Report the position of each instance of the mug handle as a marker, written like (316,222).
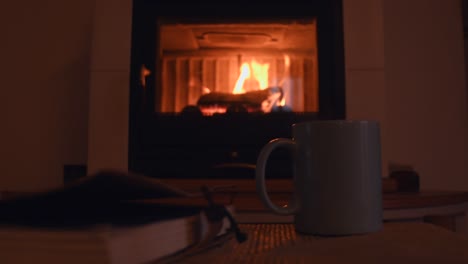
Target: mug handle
(262,160)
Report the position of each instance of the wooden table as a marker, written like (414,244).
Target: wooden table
(444,208)
(395,243)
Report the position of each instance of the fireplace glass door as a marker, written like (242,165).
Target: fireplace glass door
(217,68)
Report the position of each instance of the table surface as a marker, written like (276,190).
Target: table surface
(250,201)
(395,243)
(246,198)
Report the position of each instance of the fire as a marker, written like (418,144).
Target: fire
(253,91)
(282,102)
(252,71)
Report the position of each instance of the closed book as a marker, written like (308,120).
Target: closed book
(97,221)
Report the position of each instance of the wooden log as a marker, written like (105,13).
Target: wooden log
(250,99)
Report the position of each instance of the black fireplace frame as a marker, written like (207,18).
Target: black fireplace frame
(162,145)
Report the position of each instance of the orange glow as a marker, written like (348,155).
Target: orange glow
(253,70)
(144,72)
(287,61)
(209,111)
(287,64)
(206,90)
(282,102)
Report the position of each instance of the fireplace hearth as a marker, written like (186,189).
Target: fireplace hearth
(211,84)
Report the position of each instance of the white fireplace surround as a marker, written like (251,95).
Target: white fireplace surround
(401,65)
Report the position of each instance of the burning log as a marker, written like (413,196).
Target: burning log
(260,100)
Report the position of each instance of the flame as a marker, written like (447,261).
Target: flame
(282,102)
(260,73)
(244,74)
(254,76)
(287,61)
(252,70)
(205,90)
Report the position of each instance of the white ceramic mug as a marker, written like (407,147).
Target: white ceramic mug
(337,177)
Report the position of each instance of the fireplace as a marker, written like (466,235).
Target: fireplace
(211,84)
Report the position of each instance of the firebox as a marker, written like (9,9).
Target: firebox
(215,68)
(212,83)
